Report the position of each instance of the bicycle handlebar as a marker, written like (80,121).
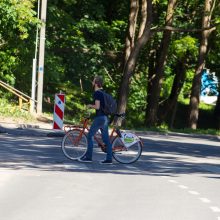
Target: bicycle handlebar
(122,115)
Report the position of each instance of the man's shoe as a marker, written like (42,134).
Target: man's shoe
(84,159)
(108,162)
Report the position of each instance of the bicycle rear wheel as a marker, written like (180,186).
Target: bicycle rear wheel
(124,154)
(72,145)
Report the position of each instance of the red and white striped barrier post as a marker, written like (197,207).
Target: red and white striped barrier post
(58,111)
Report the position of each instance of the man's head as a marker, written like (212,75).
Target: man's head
(97,81)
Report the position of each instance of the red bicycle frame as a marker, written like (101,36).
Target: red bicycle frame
(85,129)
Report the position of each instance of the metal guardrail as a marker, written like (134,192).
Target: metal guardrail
(22,96)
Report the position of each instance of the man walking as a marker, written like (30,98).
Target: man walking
(100,122)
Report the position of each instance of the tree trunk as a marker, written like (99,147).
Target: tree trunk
(129,42)
(151,76)
(130,61)
(169,105)
(217,113)
(196,85)
(129,70)
(155,84)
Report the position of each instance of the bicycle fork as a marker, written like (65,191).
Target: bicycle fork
(75,141)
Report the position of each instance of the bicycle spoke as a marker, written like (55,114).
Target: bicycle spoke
(74,144)
(124,154)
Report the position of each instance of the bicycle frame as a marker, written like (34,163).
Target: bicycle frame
(85,129)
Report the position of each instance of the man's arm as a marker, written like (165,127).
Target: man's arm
(95,106)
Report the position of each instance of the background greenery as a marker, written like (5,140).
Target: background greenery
(87,37)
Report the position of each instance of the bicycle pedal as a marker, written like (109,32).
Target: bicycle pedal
(103,147)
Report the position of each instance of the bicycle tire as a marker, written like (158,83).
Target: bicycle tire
(70,149)
(126,155)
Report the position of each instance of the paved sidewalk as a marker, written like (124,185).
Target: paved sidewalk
(39,129)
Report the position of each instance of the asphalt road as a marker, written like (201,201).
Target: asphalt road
(176,178)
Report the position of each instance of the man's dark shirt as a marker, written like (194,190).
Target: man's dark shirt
(98,95)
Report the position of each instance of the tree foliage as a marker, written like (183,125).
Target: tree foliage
(89,37)
(17,20)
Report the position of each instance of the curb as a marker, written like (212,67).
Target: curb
(29,130)
(45,130)
(207,136)
(56,134)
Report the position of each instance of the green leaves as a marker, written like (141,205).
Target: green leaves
(185,46)
(17,15)
(17,20)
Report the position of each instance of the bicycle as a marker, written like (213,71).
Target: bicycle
(126,147)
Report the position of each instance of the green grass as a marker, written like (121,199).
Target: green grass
(197,131)
(12,111)
(164,129)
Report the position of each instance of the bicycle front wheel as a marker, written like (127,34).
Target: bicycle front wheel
(124,154)
(74,144)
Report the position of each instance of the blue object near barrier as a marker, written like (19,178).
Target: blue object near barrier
(209,84)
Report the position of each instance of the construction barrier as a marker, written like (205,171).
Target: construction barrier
(58,111)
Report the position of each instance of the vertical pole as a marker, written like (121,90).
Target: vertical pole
(41,57)
(20,102)
(32,101)
(34,67)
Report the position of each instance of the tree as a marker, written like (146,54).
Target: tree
(18,19)
(217,113)
(155,79)
(185,52)
(196,86)
(134,46)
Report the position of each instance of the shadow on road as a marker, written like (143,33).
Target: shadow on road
(160,157)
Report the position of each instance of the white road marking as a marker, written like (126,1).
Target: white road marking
(81,166)
(215,209)
(164,177)
(58,197)
(193,192)
(205,200)
(183,187)
(172,181)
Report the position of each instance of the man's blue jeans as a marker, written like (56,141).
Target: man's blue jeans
(100,122)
